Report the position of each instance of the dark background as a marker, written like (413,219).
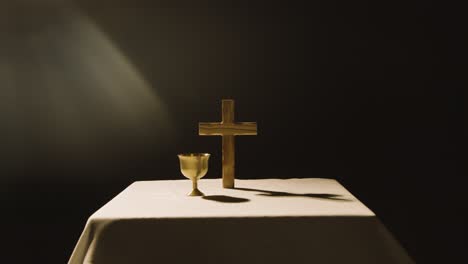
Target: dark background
(366,92)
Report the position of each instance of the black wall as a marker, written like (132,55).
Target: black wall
(365,92)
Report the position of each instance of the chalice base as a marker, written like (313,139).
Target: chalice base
(196,192)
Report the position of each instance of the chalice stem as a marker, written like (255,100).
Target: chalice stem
(195,184)
(195,191)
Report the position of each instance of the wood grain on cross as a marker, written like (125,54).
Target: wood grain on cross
(228,128)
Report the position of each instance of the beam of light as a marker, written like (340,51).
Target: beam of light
(65,88)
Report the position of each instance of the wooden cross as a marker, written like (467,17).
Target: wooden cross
(228,129)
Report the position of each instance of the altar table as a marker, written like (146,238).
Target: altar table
(261,221)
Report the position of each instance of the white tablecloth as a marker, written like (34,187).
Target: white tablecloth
(261,221)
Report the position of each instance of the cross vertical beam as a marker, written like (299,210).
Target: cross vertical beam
(229,154)
(228,161)
(227,107)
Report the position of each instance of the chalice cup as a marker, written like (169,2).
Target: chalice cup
(194,166)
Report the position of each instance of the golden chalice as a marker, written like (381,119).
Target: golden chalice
(194,166)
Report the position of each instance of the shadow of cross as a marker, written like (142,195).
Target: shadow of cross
(228,128)
(326,196)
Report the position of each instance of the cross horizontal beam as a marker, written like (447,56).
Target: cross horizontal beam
(228,129)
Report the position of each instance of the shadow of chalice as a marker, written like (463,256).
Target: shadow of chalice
(194,166)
